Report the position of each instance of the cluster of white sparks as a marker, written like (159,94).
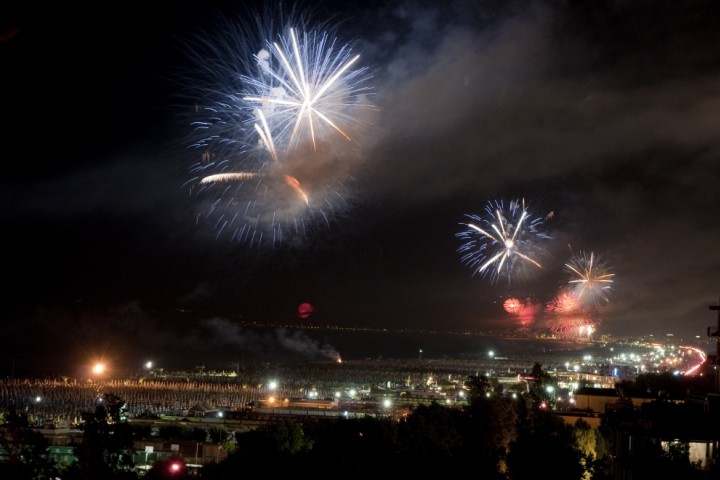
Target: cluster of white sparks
(503,243)
(271,161)
(589,278)
(303,90)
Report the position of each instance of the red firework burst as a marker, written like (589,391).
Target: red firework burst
(564,303)
(305,309)
(512,305)
(528,312)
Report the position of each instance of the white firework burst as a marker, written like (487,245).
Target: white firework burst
(503,244)
(270,167)
(590,279)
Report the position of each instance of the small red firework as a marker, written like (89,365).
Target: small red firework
(305,309)
(512,305)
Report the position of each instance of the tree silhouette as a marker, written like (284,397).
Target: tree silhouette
(545,448)
(27,450)
(106,448)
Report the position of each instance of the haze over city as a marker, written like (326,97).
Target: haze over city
(601,121)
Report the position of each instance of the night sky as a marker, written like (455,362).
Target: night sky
(604,119)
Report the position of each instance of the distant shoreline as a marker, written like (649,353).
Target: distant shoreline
(228,347)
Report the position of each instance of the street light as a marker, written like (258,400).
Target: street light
(388,405)
(551,393)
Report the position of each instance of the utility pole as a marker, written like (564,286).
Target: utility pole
(716,336)
(716,333)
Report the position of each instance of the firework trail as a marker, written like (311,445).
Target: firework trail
(506,243)
(589,278)
(276,134)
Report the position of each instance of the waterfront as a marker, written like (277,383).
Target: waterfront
(226,345)
(254,345)
(340,361)
(237,347)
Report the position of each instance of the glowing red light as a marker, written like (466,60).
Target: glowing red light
(305,310)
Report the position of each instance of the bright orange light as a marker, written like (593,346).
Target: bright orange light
(98,368)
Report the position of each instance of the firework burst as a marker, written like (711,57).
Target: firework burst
(505,243)
(276,132)
(512,305)
(589,278)
(568,318)
(306,88)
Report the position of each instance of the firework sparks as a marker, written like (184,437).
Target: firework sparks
(270,167)
(572,327)
(309,87)
(512,305)
(590,279)
(567,318)
(504,242)
(229,177)
(564,303)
